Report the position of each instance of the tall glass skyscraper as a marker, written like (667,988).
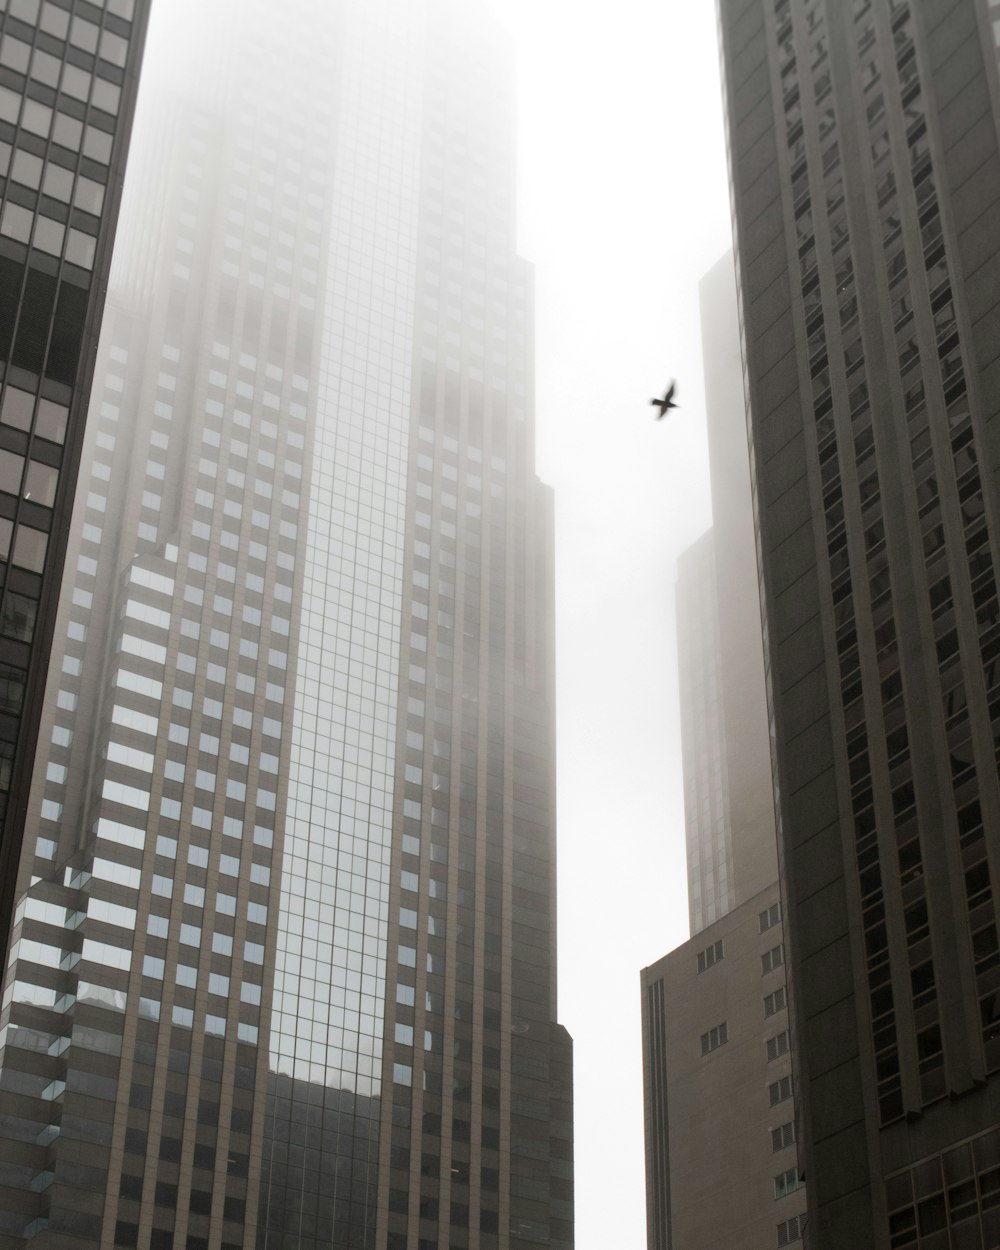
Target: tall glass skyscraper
(283,967)
(67,95)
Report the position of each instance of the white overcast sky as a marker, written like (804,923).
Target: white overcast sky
(623,207)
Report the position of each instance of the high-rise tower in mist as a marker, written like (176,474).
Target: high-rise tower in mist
(729,810)
(67,94)
(284,962)
(717,1066)
(708,833)
(865,166)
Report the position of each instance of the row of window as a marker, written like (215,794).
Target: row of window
(80,31)
(775,1046)
(953,1197)
(711,955)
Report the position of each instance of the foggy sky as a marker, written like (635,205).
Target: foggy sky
(624,206)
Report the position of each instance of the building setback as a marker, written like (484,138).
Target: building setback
(717,1062)
(284,970)
(68,76)
(865,167)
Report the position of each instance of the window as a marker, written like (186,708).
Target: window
(790,1230)
(11,471)
(710,955)
(773,1003)
(777,1046)
(783,1136)
(786,1182)
(714,1038)
(779,1091)
(772,959)
(769,917)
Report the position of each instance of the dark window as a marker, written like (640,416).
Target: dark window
(779,1091)
(710,956)
(772,959)
(773,1003)
(777,1046)
(769,917)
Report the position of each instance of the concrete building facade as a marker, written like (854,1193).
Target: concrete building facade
(864,147)
(719,1088)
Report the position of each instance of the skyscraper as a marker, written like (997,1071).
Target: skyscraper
(729,809)
(284,970)
(717,1063)
(865,166)
(67,93)
(709,842)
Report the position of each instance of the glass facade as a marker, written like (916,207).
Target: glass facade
(206,1003)
(67,91)
(332,938)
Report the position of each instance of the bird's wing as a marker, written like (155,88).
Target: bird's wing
(670,392)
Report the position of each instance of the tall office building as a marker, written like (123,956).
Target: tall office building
(67,94)
(707,826)
(284,945)
(729,807)
(717,1066)
(865,167)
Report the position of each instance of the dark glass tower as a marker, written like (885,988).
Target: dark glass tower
(285,963)
(865,166)
(67,94)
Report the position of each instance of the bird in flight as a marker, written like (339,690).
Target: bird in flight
(666,403)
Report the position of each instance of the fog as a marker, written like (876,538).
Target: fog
(623,206)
